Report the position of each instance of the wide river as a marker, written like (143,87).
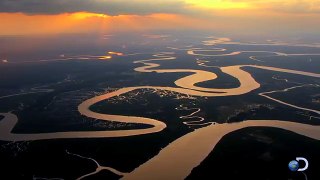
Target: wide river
(203,140)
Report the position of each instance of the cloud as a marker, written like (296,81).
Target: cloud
(287,6)
(145,7)
(110,7)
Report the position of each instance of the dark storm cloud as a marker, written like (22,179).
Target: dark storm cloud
(110,7)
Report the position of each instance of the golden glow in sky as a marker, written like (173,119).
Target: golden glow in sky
(143,15)
(84,15)
(218,4)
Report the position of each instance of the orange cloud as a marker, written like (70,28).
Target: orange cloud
(17,23)
(223,20)
(287,6)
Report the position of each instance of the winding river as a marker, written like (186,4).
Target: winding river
(203,140)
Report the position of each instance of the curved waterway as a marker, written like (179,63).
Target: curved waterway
(186,85)
(185,157)
(177,160)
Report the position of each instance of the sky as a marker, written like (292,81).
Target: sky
(25,17)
